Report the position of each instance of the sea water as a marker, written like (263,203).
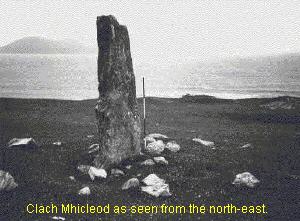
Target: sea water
(75,77)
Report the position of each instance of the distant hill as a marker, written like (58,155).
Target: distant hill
(39,45)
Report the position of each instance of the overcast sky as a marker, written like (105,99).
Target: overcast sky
(164,30)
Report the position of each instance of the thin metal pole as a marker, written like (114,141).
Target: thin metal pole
(144,107)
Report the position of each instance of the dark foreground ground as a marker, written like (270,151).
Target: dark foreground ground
(197,174)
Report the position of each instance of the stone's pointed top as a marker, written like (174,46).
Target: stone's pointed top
(110,19)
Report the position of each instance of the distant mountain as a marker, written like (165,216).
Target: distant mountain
(39,45)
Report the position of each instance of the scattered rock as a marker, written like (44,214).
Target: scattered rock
(156,136)
(58,218)
(95,172)
(148,162)
(7,182)
(84,169)
(173,146)
(284,104)
(245,179)
(128,167)
(246,146)
(204,142)
(72,178)
(84,191)
(90,136)
(117,172)
(93,148)
(22,142)
(161,190)
(58,143)
(131,184)
(161,160)
(149,139)
(156,186)
(155,148)
(153,180)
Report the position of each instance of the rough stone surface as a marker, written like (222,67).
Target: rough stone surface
(116,110)
(155,148)
(131,184)
(7,181)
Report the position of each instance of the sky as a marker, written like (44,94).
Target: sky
(164,30)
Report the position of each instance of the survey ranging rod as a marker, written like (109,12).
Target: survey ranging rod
(144,110)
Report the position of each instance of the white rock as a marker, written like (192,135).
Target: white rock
(131,183)
(155,148)
(58,143)
(152,180)
(160,160)
(7,182)
(204,142)
(24,142)
(157,136)
(93,148)
(128,167)
(117,172)
(85,191)
(157,190)
(148,162)
(72,178)
(95,172)
(173,146)
(149,139)
(84,168)
(58,218)
(248,145)
(90,136)
(246,179)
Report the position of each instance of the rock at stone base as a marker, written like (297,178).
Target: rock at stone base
(173,146)
(149,139)
(157,190)
(160,160)
(22,142)
(156,136)
(245,179)
(117,172)
(131,184)
(155,148)
(93,148)
(95,172)
(116,110)
(7,182)
(204,142)
(84,169)
(148,162)
(84,191)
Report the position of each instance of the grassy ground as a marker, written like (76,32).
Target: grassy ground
(197,174)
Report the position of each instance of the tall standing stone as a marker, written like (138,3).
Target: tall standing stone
(116,110)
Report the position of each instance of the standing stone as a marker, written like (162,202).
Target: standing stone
(116,110)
